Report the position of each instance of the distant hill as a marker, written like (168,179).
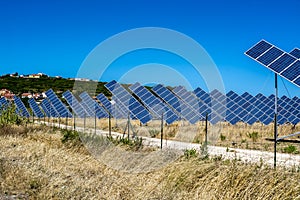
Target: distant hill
(20,85)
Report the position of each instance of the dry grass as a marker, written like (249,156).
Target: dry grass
(39,166)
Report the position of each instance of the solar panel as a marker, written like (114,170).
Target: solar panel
(57,104)
(112,108)
(258,49)
(296,53)
(92,105)
(49,109)
(176,103)
(3,103)
(21,109)
(154,104)
(283,63)
(74,104)
(218,106)
(128,102)
(35,108)
(190,99)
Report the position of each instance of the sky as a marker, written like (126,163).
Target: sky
(55,37)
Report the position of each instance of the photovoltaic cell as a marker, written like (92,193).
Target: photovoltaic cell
(57,104)
(190,99)
(154,104)
(282,63)
(35,108)
(21,109)
(74,104)
(176,103)
(269,56)
(93,105)
(49,109)
(128,102)
(293,71)
(296,53)
(260,48)
(112,108)
(3,103)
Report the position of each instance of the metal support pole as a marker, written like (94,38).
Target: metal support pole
(161,130)
(109,124)
(95,123)
(128,125)
(84,121)
(275,120)
(74,124)
(206,128)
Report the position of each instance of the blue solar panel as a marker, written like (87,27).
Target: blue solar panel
(282,63)
(74,104)
(128,102)
(21,109)
(293,71)
(296,53)
(3,103)
(269,56)
(35,108)
(176,103)
(154,104)
(49,109)
(93,105)
(112,108)
(258,49)
(57,104)
(190,99)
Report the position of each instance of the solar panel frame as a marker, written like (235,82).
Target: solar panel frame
(57,104)
(124,98)
(93,105)
(21,109)
(35,108)
(280,64)
(176,103)
(74,104)
(154,104)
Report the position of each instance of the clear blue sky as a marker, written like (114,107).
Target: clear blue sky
(55,36)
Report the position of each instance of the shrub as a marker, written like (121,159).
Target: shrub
(253,136)
(190,153)
(153,133)
(69,135)
(9,117)
(222,137)
(290,149)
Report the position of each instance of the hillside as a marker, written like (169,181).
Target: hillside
(42,84)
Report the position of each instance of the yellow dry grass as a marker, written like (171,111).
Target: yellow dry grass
(39,166)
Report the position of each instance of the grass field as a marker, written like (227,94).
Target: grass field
(40,163)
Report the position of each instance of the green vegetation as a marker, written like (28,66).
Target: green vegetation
(9,117)
(253,136)
(190,153)
(153,133)
(290,149)
(39,85)
(222,137)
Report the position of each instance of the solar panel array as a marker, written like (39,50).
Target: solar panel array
(35,108)
(154,104)
(175,104)
(57,104)
(74,104)
(92,106)
(49,109)
(284,64)
(21,109)
(128,103)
